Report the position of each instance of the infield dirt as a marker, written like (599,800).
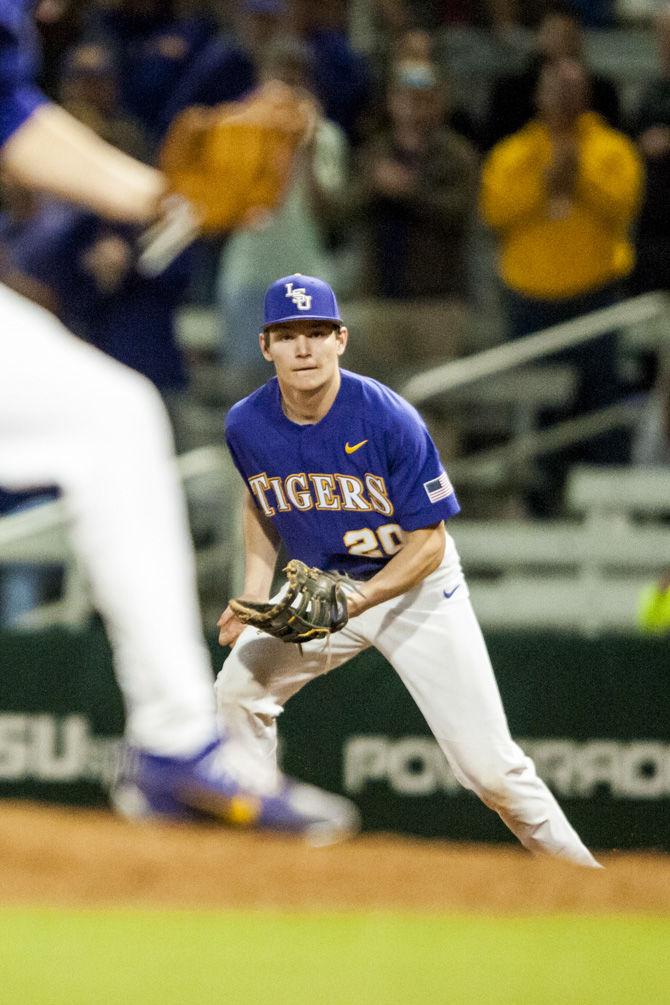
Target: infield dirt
(57,856)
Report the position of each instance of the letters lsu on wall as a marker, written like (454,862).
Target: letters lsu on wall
(51,748)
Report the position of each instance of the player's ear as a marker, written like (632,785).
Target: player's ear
(342,337)
(264,342)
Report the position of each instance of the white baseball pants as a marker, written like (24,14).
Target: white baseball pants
(71,416)
(436,646)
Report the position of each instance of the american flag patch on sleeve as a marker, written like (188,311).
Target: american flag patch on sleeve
(438,488)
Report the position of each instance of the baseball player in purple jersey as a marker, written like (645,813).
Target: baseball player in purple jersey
(72,416)
(344,472)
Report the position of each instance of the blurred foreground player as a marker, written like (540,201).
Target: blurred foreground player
(343,472)
(71,416)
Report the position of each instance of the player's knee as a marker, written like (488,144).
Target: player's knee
(502,788)
(493,779)
(235,685)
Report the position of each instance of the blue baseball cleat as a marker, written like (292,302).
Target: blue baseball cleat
(219,784)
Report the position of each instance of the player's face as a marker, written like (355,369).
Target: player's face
(305,353)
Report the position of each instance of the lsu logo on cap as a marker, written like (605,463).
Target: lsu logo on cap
(300,297)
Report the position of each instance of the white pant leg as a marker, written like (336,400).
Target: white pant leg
(260,675)
(436,646)
(70,415)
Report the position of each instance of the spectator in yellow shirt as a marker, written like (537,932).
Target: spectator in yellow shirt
(561,195)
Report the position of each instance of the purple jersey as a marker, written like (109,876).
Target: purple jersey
(340,492)
(18,63)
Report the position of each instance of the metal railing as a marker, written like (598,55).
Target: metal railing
(489,466)
(422,387)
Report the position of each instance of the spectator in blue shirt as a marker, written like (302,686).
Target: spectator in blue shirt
(152,47)
(228,64)
(343,77)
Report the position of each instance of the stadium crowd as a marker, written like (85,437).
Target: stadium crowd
(527,197)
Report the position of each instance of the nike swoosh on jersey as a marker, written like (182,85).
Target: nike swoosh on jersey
(451,593)
(356,446)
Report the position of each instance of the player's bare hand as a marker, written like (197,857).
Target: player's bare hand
(561,174)
(230,628)
(229,625)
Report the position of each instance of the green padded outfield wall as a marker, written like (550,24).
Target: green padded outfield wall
(594,714)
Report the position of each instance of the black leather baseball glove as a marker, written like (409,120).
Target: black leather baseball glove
(312,606)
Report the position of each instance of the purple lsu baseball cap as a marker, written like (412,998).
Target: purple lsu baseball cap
(296,297)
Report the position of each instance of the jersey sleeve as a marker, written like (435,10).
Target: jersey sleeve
(230,442)
(235,448)
(420,488)
(19,97)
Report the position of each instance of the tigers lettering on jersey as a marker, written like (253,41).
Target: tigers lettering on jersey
(335,492)
(341,492)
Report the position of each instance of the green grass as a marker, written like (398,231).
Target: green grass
(50,957)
